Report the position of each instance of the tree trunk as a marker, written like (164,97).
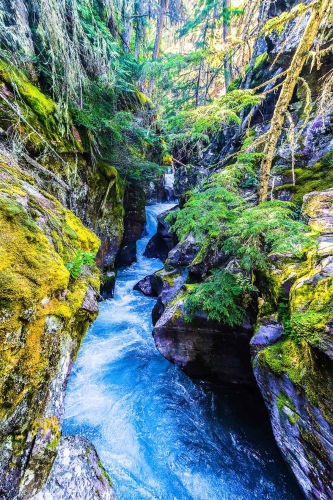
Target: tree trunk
(226,33)
(201,71)
(317,15)
(138,29)
(163,5)
(126,35)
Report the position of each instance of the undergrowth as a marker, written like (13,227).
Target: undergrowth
(76,266)
(223,297)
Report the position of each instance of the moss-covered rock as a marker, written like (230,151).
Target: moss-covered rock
(295,374)
(65,168)
(76,453)
(315,177)
(203,348)
(44,315)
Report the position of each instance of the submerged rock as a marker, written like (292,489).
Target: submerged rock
(77,473)
(145,286)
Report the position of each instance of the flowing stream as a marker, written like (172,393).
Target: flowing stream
(160,435)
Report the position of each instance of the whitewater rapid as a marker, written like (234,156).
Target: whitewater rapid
(160,435)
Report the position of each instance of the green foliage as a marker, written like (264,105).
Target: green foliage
(221,297)
(307,326)
(195,126)
(264,229)
(284,315)
(81,259)
(222,221)
(206,213)
(125,139)
(74,45)
(210,15)
(190,79)
(220,218)
(243,172)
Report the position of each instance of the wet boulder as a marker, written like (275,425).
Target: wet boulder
(108,285)
(203,348)
(77,473)
(146,287)
(162,284)
(163,241)
(168,284)
(183,253)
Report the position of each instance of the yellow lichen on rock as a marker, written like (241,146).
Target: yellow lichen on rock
(40,307)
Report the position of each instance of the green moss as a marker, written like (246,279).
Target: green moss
(282,401)
(260,61)
(315,448)
(235,84)
(109,171)
(38,110)
(169,277)
(143,99)
(311,307)
(40,104)
(32,278)
(104,473)
(317,177)
(167,160)
(285,401)
(308,327)
(259,70)
(308,369)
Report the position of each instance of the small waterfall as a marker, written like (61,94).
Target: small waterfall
(168,182)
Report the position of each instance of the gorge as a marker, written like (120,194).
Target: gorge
(178,439)
(166,244)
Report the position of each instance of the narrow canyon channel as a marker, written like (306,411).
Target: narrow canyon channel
(159,434)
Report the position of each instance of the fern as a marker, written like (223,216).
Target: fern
(222,297)
(195,126)
(264,229)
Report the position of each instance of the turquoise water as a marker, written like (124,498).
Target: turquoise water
(160,435)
